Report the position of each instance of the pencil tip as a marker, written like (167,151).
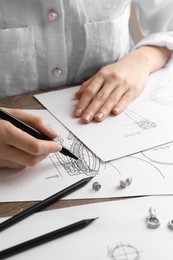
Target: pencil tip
(74,156)
(66,152)
(88,221)
(89,178)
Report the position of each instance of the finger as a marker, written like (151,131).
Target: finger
(110,103)
(9,164)
(26,159)
(83,86)
(34,121)
(88,94)
(23,141)
(20,158)
(124,101)
(98,101)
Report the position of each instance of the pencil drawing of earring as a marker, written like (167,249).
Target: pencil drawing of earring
(170,224)
(152,220)
(96,186)
(126,182)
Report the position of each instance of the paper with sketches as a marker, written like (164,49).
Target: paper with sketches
(151,170)
(146,123)
(120,232)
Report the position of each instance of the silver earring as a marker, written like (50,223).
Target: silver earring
(127,182)
(96,186)
(152,220)
(170,224)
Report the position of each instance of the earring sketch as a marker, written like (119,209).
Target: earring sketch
(152,220)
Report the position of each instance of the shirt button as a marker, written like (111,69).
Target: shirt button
(56,72)
(52,15)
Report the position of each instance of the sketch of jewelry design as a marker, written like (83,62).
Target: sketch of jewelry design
(153,166)
(141,122)
(160,154)
(164,94)
(123,252)
(87,163)
(139,168)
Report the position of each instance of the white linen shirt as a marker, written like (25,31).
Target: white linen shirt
(50,43)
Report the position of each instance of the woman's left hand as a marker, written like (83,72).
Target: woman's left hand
(112,88)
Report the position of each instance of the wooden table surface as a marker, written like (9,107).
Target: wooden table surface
(27,101)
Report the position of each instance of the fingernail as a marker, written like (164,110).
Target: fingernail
(78,112)
(59,147)
(99,116)
(116,110)
(86,117)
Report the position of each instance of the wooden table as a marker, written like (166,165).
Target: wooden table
(27,101)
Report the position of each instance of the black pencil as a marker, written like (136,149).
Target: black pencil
(43,204)
(31,131)
(45,238)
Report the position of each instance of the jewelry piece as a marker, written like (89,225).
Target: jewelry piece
(152,221)
(125,183)
(170,224)
(96,186)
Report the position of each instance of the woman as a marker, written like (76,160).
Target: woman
(45,44)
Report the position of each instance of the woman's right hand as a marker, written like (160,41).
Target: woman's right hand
(17,148)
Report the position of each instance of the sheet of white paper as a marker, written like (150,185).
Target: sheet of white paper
(151,172)
(119,233)
(146,123)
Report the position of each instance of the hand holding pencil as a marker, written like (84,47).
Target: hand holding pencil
(19,149)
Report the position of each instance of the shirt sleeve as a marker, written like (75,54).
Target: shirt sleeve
(156,22)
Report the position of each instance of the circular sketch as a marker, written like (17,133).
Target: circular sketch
(124,252)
